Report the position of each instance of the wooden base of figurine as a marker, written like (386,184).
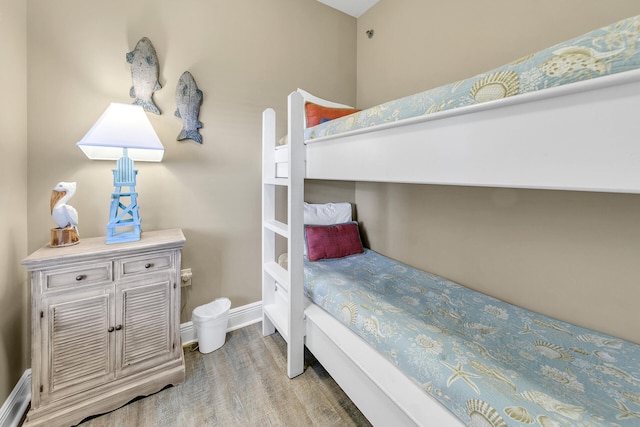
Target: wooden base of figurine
(64,237)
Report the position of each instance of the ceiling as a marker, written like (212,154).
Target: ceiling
(354,8)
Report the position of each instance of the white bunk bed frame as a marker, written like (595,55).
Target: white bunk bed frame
(580,136)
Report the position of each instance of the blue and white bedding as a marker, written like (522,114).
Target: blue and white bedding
(490,363)
(608,50)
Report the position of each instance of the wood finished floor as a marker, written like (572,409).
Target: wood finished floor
(244,383)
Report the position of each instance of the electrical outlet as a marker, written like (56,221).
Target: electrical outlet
(185,277)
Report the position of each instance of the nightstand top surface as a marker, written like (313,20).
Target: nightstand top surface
(96,246)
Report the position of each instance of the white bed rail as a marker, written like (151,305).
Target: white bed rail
(581,136)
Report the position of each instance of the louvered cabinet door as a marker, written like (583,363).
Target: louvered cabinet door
(78,345)
(145,322)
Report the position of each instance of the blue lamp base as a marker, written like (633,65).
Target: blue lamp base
(124,220)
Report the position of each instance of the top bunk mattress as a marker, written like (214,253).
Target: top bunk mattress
(609,50)
(483,359)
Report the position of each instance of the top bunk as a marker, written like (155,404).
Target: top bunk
(563,118)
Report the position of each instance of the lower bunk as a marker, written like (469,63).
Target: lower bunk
(378,388)
(412,348)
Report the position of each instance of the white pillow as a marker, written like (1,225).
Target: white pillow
(327,213)
(283,141)
(312,98)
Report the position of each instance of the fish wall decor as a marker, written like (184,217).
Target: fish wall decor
(188,102)
(144,73)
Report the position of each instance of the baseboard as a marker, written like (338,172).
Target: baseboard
(239,317)
(14,408)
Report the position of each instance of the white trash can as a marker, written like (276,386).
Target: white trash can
(210,321)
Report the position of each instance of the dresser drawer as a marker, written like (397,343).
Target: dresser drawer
(78,275)
(146,264)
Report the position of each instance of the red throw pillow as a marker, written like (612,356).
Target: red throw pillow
(332,241)
(316,113)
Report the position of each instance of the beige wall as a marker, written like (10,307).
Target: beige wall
(245,57)
(571,255)
(13,187)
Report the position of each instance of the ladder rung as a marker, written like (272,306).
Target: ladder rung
(278,273)
(276,181)
(277,227)
(279,319)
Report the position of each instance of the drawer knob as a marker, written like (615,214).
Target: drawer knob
(110,329)
(118,327)
(79,277)
(147,265)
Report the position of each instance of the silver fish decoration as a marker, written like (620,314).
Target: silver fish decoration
(144,74)
(188,102)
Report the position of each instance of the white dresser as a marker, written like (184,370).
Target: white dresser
(105,322)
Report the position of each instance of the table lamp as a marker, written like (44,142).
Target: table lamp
(123,133)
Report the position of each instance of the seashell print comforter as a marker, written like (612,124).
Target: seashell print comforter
(608,50)
(490,363)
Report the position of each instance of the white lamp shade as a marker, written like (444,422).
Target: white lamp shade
(122,126)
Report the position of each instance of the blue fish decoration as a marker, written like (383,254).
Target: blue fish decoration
(144,73)
(188,102)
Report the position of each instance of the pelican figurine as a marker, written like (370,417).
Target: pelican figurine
(63,215)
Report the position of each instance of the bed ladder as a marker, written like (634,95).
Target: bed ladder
(282,289)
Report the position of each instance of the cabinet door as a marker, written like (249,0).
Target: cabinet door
(146,332)
(78,345)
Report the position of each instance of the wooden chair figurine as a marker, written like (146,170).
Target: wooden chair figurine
(124,220)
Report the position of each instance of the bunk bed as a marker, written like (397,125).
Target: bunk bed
(564,129)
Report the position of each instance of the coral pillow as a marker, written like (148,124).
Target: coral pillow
(332,241)
(316,114)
